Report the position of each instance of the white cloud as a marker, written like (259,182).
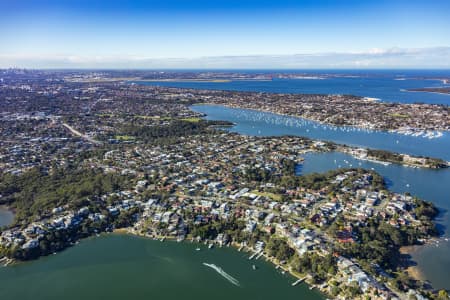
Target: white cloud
(436,57)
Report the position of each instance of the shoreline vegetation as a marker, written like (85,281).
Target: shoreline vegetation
(237,247)
(163,171)
(413,271)
(123,223)
(377,156)
(324,119)
(387,157)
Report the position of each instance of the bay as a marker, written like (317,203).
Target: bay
(433,260)
(127,267)
(252,122)
(386,85)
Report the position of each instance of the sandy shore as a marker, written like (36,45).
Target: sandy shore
(413,271)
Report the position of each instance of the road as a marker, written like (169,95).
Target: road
(83,136)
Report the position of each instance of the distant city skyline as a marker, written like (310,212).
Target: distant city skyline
(225,34)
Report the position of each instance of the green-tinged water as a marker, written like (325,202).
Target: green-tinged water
(127,267)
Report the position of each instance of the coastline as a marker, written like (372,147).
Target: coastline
(430,92)
(299,278)
(413,271)
(254,254)
(200,80)
(387,130)
(350,149)
(186,80)
(134,232)
(410,164)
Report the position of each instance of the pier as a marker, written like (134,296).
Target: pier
(255,254)
(298,281)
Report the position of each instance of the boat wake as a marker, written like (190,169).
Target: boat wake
(223,273)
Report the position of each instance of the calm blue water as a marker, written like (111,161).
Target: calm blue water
(251,122)
(432,185)
(376,84)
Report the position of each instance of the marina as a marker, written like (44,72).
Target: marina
(261,123)
(427,184)
(217,150)
(252,122)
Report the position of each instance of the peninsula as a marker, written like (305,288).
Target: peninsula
(439,90)
(79,159)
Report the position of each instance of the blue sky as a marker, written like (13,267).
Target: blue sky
(177,33)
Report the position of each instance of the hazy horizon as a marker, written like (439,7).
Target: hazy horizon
(176,34)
